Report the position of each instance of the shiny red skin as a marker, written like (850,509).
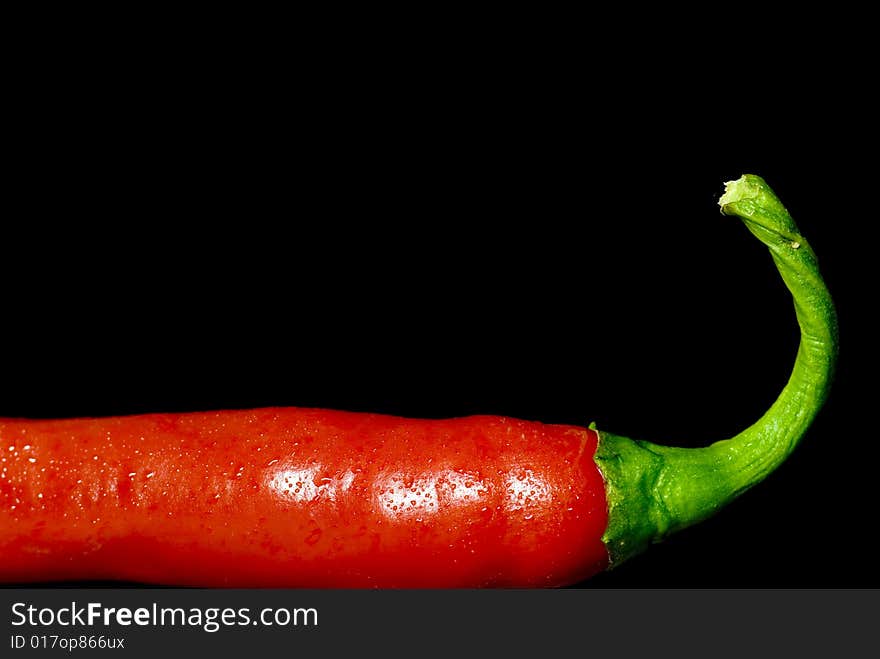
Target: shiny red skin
(289,497)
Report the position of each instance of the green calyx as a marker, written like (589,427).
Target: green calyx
(653,490)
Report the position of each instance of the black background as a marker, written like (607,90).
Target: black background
(450,239)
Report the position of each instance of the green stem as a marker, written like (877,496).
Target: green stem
(655,490)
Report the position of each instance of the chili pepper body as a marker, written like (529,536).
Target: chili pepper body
(300,498)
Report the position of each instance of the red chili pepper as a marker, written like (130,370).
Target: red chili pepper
(314,498)
(301,497)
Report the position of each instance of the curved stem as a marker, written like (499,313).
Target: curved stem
(655,490)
